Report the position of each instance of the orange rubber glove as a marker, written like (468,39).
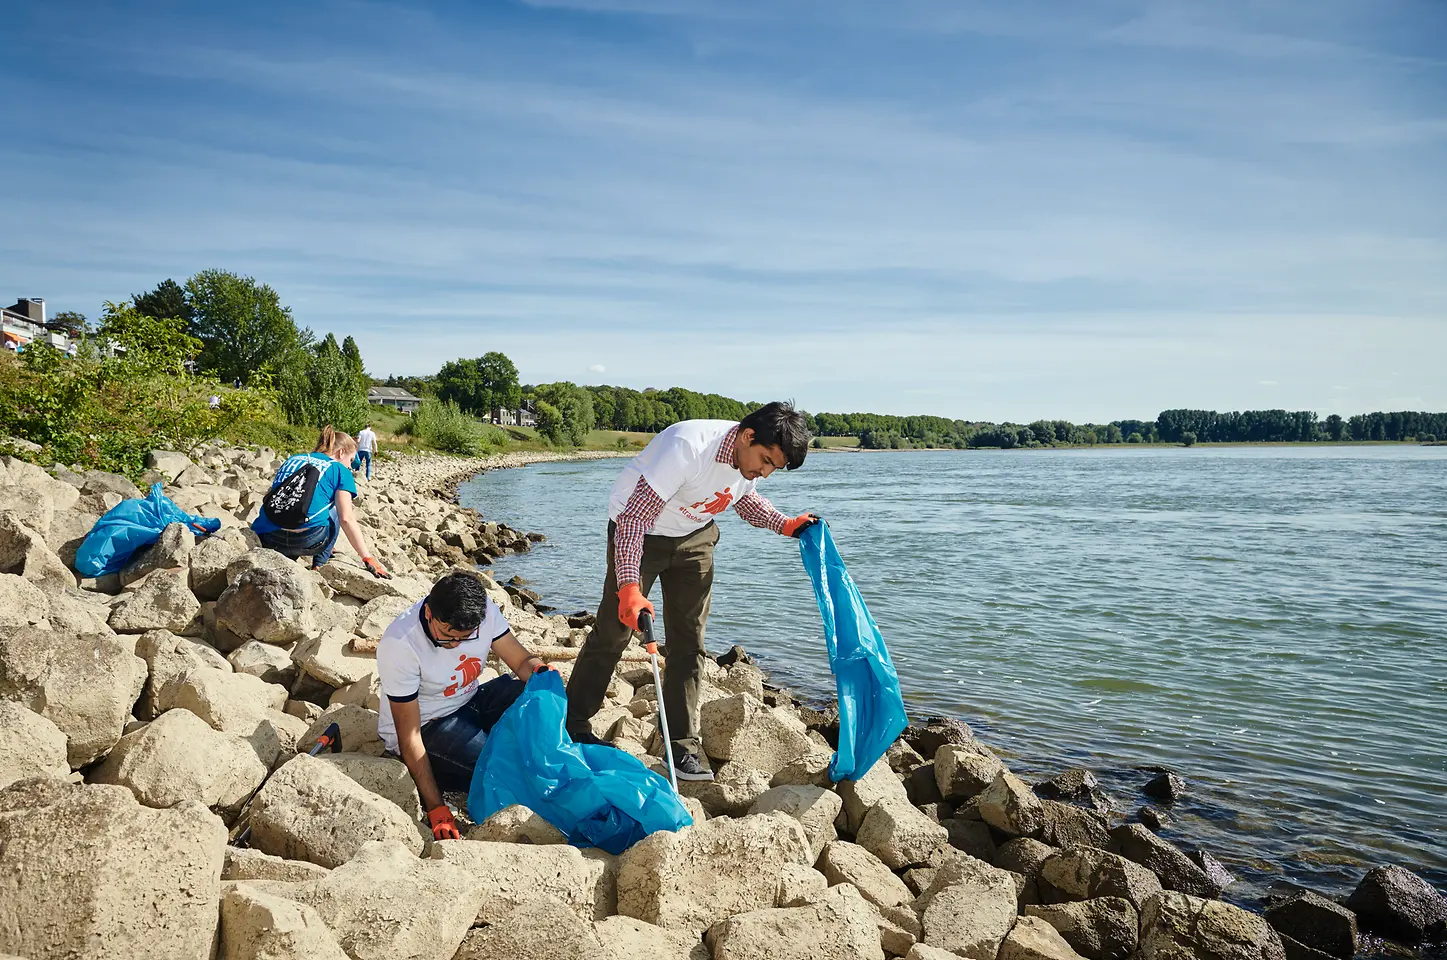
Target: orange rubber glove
(792,528)
(632,602)
(376,568)
(444,827)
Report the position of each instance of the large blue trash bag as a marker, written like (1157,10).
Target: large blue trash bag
(871,710)
(129,526)
(597,796)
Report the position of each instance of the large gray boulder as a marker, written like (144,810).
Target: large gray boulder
(1163,858)
(22,603)
(1105,928)
(1397,903)
(627,938)
(814,807)
(85,685)
(876,785)
(1032,939)
(901,836)
(86,871)
(311,810)
(386,903)
(970,918)
(509,875)
(68,530)
(1178,926)
(229,701)
(171,551)
(269,598)
(1010,806)
(169,659)
(24,553)
(677,880)
(168,463)
(845,862)
(178,756)
(329,658)
(30,746)
(1316,922)
(209,560)
(383,776)
(265,661)
(162,601)
(839,926)
(256,925)
(1083,873)
(745,731)
(541,929)
(962,771)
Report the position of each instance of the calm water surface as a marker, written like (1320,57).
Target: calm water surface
(1268,622)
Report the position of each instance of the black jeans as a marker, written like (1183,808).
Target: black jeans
(454,741)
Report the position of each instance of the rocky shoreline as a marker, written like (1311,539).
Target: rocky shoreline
(139,712)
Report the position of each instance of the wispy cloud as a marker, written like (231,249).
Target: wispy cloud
(594,183)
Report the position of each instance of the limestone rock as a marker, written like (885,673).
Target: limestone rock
(961,772)
(244,863)
(970,918)
(516,824)
(509,875)
(1023,855)
(939,732)
(178,756)
(207,564)
(899,929)
(1104,928)
(366,692)
(625,938)
(162,601)
(232,702)
(955,867)
(168,463)
(733,791)
(68,529)
(1319,923)
(1033,939)
(30,746)
(814,807)
(743,730)
(22,603)
(877,785)
(541,929)
(1167,786)
(674,880)
(1078,786)
(1399,904)
(1083,873)
(329,659)
(347,577)
(261,926)
(77,613)
(87,871)
(268,599)
(1174,869)
(32,508)
(1067,825)
(311,810)
(1010,806)
(923,951)
(24,553)
(169,659)
(900,835)
(1177,926)
(358,727)
(377,615)
(385,903)
(812,770)
(844,862)
(800,885)
(85,685)
(381,775)
(98,481)
(838,927)
(171,550)
(265,661)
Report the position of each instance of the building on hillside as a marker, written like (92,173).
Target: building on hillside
(521,417)
(23,323)
(394,397)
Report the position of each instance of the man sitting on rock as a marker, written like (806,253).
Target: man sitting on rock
(661,527)
(434,711)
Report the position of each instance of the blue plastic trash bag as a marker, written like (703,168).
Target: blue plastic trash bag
(129,526)
(871,710)
(597,796)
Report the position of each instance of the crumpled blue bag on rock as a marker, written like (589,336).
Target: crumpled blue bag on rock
(871,709)
(130,526)
(597,796)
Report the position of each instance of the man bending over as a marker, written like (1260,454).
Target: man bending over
(434,712)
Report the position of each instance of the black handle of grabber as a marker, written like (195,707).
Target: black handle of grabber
(331,738)
(645,626)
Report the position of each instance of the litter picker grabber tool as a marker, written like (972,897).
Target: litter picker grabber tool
(331,739)
(645,623)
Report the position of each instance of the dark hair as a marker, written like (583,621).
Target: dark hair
(778,424)
(458,600)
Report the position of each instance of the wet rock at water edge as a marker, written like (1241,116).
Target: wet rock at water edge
(1152,817)
(1166,786)
(937,732)
(1078,786)
(1398,904)
(1316,922)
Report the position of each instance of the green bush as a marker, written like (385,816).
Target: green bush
(443,425)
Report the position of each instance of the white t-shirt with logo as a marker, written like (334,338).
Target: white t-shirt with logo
(442,679)
(681,466)
(367,441)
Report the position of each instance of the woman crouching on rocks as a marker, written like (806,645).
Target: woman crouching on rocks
(310,503)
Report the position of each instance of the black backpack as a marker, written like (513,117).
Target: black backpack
(287,502)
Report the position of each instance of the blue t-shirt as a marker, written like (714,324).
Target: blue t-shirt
(334,476)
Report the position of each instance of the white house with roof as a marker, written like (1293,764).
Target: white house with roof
(23,323)
(394,397)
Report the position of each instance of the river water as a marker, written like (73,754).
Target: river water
(1269,622)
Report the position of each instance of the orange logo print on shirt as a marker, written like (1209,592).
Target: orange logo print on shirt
(718,504)
(470,668)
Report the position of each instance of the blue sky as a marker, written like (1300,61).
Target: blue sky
(1087,209)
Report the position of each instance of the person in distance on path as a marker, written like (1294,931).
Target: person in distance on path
(661,527)
(435,713)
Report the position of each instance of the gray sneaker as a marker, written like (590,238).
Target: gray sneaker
(688,767)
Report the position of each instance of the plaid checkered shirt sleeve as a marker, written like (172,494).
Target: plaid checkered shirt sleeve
(637,518)
(758,511)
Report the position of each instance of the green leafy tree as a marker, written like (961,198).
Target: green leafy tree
(1336,427)
(241,324)
(353,353)
(550,423)
(321,386)
(499,383)
(1188,439)
(166,302)
(74,324)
